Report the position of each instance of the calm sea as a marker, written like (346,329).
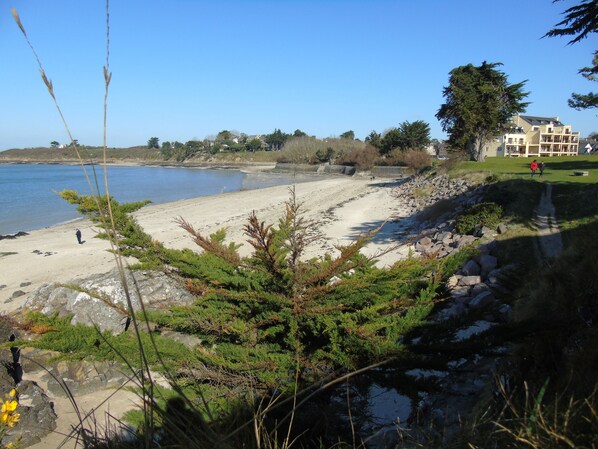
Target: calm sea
(28,200)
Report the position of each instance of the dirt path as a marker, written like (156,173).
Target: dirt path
(549,241)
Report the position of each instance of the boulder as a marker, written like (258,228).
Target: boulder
(38,417)
(479,288)
(485,231)
(470,280)
(463,240)
(470,268)
(83,377)
(481,300)
(486,262)
(101,300)
(454,311)
(494,276)
(453,281)
(501,228)
(459,292)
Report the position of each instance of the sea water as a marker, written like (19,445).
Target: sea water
(29,198)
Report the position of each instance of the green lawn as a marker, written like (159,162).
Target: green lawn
(558,169)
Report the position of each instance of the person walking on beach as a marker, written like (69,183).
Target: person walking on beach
(78,234)
(542,166)
(533,167)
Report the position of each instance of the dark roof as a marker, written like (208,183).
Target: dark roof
(537,121)
(515,130)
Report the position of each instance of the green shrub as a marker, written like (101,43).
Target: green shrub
(484,214)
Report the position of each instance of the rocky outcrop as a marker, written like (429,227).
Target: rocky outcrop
(37,416)
(101,300)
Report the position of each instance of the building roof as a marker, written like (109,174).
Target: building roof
(515,130)
(536,121)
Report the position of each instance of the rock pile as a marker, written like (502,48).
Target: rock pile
(420,192)
(475,290)
(476,286)
(434,202)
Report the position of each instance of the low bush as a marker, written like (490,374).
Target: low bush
(483,214)
(416,160)
(362,158)
(309,150)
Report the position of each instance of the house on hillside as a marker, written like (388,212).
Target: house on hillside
(533,136)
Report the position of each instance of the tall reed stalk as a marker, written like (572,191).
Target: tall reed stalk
(143,377)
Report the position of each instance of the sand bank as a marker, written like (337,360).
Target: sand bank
(339,208)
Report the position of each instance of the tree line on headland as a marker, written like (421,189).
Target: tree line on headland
(479,104)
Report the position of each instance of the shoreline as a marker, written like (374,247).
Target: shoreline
(339,208)
(247,177)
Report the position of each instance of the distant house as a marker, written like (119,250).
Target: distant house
(533,136)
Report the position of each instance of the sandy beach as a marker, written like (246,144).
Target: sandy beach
(339,208)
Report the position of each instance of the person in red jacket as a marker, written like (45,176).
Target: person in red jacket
(533,167)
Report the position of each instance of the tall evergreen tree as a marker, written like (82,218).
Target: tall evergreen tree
(415,135)
(580,21)
(276,140)
(153,142)
(374,139)
(479,105)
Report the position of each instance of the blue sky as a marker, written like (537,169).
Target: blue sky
(186,69)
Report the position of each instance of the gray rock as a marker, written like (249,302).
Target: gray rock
(470,268)
(501,228)
(442,253)
(482,300)
(434,250)
(479,288)
(425,241)
(444,237)
(34,359)
(83,377)
(453,281)
(475,329)
(17,294)
(454,311)
(498,288)
(459,291)
(463,241)
(487,263)
(470,280)
(38,417)
(485,232)
(494,276)
(102,301)
(462,299)
(422,248)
